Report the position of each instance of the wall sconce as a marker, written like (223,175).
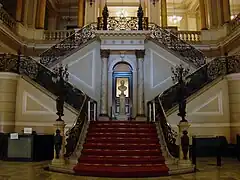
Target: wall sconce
(91,2)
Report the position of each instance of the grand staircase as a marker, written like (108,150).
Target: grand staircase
(121,149)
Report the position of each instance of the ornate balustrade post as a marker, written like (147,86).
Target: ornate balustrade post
(140,17)
(179,76)
(104,84)
(140,81)
(105,16)
(61,75)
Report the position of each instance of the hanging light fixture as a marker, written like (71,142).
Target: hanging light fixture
(122,13)
(68,18)
(174,18)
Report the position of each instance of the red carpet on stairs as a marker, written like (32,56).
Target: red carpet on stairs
(121,149)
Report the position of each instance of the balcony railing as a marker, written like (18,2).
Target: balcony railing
(7,19)
(233,24)
(190,36)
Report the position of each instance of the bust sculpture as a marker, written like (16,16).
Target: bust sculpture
(122,87)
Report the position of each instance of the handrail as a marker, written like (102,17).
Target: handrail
(43,76)
(7,19)
(206,74)
(64,47)
(174,43)
(234,23)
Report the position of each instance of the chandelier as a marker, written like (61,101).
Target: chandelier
(233,16)
(175,19)
(122,13)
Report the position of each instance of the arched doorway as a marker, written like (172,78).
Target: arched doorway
(122,71)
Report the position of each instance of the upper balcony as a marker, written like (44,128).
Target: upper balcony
(218,40)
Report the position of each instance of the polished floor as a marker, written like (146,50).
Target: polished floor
(208,170)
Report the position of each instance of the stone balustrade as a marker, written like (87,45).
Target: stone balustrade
(57,35)
(190,36)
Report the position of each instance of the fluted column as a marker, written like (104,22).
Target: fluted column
(203,14)
(164,13)
(226,11)
(140,81)
(104,84)
(41,10)
(81,13)
(19,10)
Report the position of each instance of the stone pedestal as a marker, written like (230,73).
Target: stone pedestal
(122,110)
(183,126)
(61,126)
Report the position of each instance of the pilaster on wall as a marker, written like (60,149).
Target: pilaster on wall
(154,12)
(8,89)
(234,104)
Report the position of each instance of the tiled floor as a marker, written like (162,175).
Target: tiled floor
(34,171)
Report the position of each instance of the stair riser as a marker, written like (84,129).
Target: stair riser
(123,147)
(97,130)
(121,161)
(120,126)
(135,135)
(123,153)
(118,141)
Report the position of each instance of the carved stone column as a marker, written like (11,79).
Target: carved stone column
(41,11)
(203,14)
(164,13)
(226,11)
(81,13)
(140,81)
(104,84)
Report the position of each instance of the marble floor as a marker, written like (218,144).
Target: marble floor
(208,170)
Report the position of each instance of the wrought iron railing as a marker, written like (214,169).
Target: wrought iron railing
(233,24)
(44,77)
(123,23)
(189,53)
(7,19)
(65,47)
(217,68)
(57,35)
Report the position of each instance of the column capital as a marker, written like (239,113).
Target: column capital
(105,53)
(140,54)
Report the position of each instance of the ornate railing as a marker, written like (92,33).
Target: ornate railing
(122,23)
(57,35)
(219,67)
(234,23)
(7,19)
(189,53)
(65,47)
(44,77)
(190,36)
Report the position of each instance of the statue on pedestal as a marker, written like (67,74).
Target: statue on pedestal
(58,143)
(185,144)
(122,88)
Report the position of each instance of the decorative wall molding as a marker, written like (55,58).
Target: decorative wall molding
(210,125)
(233,77)
(10,76)
(152,67)
(219,99)
(92,85)
(26,95)
(39,124)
